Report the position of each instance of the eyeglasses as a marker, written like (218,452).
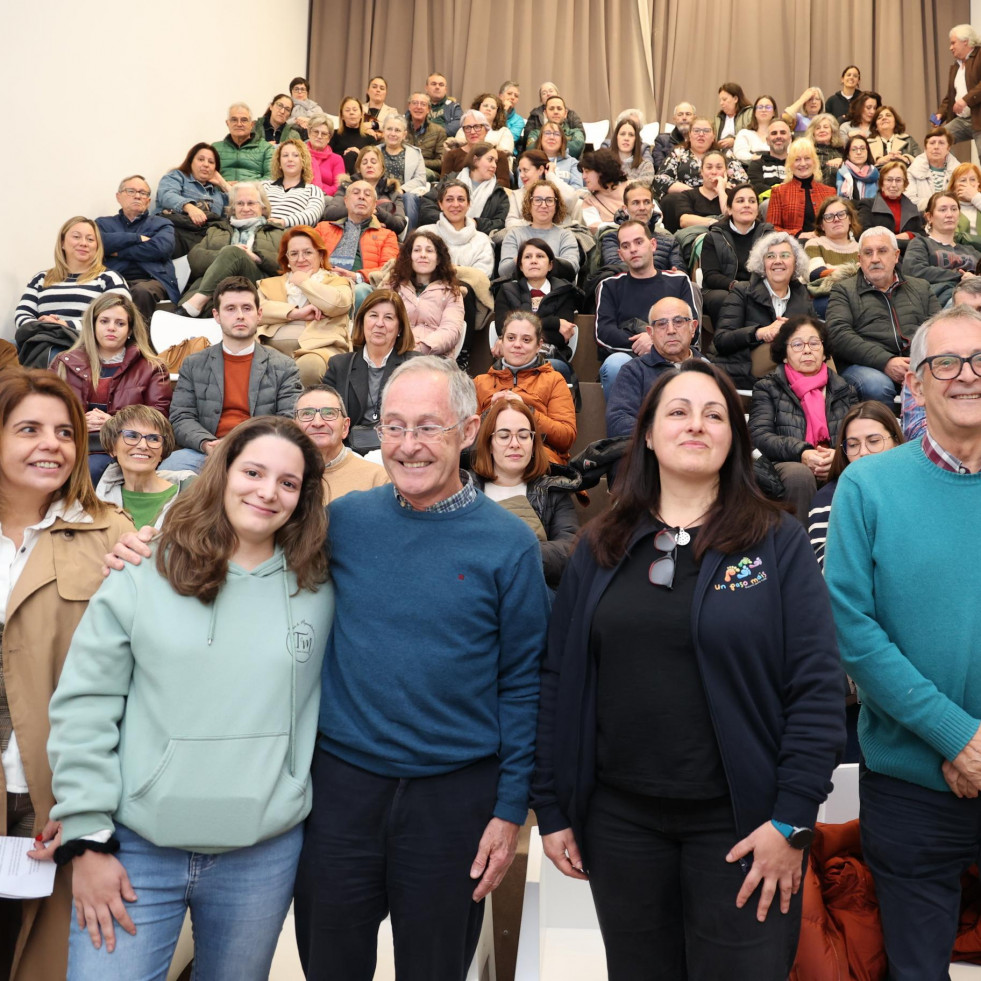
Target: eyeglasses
(701,131)
(308,413)
(543,201)
(305,254)
(764,105)
(473,128)
(285,108)
(240,119)
(662,323)
(946,367)
(875,443)
(785,256)
(836,217)
(425,434)
(814,343)
(661,572)
(504,436)
(132,438)
(135,192)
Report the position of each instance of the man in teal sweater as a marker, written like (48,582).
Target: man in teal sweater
(429,701)
(904,581)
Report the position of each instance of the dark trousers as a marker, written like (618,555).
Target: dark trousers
(378,845)
(147,293)
(917,843)
(666,897)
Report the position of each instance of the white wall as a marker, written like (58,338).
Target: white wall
(94,92)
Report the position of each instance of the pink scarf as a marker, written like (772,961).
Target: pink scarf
(808,389)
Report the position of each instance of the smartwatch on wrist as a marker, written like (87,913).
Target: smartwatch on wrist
(796,837)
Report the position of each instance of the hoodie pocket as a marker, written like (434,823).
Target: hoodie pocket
(219,792)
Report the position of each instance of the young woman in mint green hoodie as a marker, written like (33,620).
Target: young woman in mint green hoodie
(184,722)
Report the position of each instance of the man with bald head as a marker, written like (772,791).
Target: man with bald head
(665,143)
(245,154)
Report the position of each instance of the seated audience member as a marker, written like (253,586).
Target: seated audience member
(965,185)
(489,201)
(683,168)
(493,111)
(382,339)
(136,439)
(110,366)
(304,108)
(753,312)
(839,104)
(936,256)
(511,466)
(751,142)
(769,168)
(735,114)
(797,410)
(139,247)
(294,198)
(245,154)
(443,110)
(309,304)
(697,207)
(49,315)
(544,211)
(860,115)
(357,243)
(533,166)
(553,144)
(427,137)
(891,208)
(320,412)
(327,165)
(245,244)
(623,302)
(404,164)
(889,139)
(192,195)
(672,328)
(556,112)
(858,178)
(536,286)
(275,126)
(604,180)
(468,246)
(825,134)
(523,374)
(872,318)
(537,117)
(801,112)
(666,143)
(389,200)
(423,275)
(726,247)
(376,112)
(638,204)
(794,203)
(833,254)
(868,428)
(635,158)
(353,133)
(473,131)
(230,381)
(510,94)
(932,170)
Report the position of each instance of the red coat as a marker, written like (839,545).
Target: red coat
(378,244)
(786,209)
(136,383)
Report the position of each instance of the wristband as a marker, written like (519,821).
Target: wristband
(72,849)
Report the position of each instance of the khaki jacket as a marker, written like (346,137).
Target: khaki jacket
(47,602)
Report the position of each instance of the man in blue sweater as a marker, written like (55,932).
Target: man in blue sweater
(429,701)
(904,582)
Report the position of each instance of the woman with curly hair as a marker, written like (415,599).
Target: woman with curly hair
(889,139)
(425,279)
(294,198)
(544,211)
(493,109)
(603,176)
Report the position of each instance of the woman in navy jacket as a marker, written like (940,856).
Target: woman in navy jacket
(690,714)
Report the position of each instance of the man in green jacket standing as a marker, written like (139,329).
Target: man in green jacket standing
(245,155)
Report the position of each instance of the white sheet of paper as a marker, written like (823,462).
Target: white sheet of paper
(22,877)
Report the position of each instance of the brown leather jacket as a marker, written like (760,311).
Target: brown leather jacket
(138,382)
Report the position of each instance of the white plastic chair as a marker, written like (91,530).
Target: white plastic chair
(167,329)
(596,132)
(649,133)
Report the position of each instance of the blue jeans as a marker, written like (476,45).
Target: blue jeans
(562,367)
(961,129)
(184,459)
(609,370)
(238,902)
(411,203)
(870,383)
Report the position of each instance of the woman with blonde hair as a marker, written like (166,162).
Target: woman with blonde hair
(294,198)
(49,315)
(794,203)
(353,133)
(824,132)
(327,166)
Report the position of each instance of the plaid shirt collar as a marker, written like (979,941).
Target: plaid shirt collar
(936,454)
(467,494)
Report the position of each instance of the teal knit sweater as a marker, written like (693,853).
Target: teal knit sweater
(905,584)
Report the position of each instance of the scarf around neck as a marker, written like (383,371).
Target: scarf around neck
(856,181)
(479,193)
(808,388)
(244,229)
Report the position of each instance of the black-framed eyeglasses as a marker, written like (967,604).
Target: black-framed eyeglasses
(946,367)
(661,572)
(473,127)
(326,412)
(132,438)
(874,443)
(136,192)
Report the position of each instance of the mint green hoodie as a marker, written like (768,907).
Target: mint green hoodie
(194,725)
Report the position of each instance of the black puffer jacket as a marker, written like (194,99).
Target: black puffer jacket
(562,302)
(776,417)
(720,264)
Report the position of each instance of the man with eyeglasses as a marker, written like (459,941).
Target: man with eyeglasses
(245,154)
(672,331)
(904,582)
(428,137)
(430,698)
(873,316)
(473,130)
(770,168)
(139,247)
(320,412)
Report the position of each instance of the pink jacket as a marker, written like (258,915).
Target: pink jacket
(327,167)
(436,316)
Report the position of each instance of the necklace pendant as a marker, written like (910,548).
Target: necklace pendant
(682,538)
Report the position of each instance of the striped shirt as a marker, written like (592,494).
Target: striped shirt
(300,205)
(67,299)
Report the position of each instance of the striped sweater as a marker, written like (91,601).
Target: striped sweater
(300,205)
(67,299)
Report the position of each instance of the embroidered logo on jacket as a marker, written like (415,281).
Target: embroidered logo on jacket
(743,575)
(300,640)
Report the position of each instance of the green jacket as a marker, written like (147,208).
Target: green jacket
(249,162)
(192,724)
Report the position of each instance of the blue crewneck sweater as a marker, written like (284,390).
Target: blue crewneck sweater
(904,586)
(433,659)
